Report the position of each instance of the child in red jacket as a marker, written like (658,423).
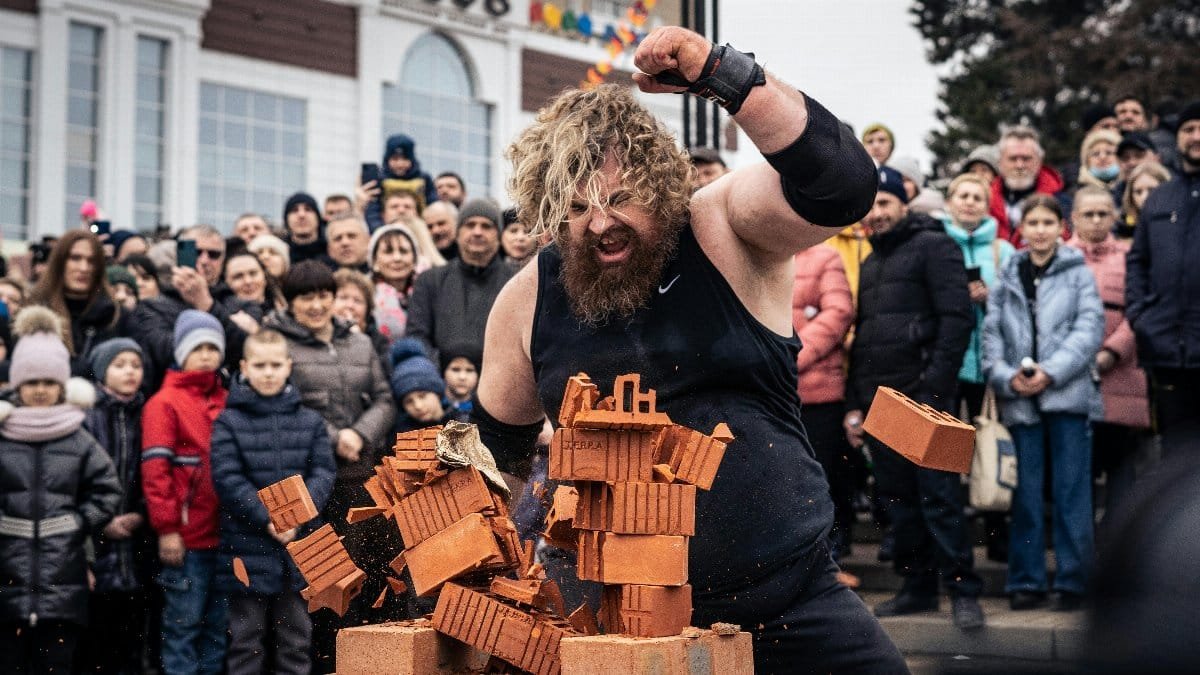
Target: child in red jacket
(177,425)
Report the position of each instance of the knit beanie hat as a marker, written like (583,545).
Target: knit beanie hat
(40,353)
(1093,114)
(1190,112)
(104,353)
(306,199)
(984,154)
(909,168)
(194,328)
(119,237)
(117,274)
(480,206)
(387,229)
(892,182)
(413,371)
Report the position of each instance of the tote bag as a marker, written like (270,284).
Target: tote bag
(994,467)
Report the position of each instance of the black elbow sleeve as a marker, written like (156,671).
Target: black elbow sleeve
(512,445)
(827,176)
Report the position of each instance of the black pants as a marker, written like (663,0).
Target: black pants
(926,509)
(115,639)
(268,624)
(1176,398)
(1114,454)
(45,648)
(823,423)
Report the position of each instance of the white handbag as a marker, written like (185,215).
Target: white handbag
(994,467)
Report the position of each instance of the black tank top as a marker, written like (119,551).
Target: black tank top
(711,361)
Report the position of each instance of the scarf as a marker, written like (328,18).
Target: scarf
(35,425)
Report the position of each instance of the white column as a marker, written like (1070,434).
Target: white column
(115,170)
(49,148)
(183,127)
(371,26)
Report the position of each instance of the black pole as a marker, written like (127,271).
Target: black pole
(685,20)
(716,111)
(701,106)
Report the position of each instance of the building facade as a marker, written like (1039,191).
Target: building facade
(184,111)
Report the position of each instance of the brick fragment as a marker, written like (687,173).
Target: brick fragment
(637,508)
(402,648)
(582,454)
(442,503)
(704,654)
(634,410)
(651,559)
(396,585)
(240,573)
(466,546)
(583,620)
(928,437)
(692,456)
(288,503)
(525,591)
(359,514)
(560,518)
(579,394)
(398,563)
(379,600)
(646,611)
(333,579)
(505,632)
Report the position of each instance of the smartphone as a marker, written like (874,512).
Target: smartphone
(370,172)
(186,254)
(101,228)
(973,274)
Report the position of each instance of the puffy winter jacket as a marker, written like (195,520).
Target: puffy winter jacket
(1162,288)
(53,494)
(343,380)
(981,248)
(914,316)
(258,441)
(176,454)
(822,312)
(152,324)
(1070,327)
(1123,389)
(450,304)
(853,247)
(122,564)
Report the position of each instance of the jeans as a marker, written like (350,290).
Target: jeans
(1067,440)
(262,624)
(194,617)
(926,510)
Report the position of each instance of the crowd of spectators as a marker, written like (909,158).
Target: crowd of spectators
(220,364)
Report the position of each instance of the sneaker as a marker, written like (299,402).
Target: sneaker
(1065,601)
(968,615)
(907,603)
(1021,601)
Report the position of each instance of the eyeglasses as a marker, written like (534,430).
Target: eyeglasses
(210,253)
(1095,215)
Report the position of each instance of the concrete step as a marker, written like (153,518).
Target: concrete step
(877,576)
(1037,635)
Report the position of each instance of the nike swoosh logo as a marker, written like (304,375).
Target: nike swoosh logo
(663,289)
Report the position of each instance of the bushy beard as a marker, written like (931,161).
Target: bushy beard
(598,293)
(1020,184)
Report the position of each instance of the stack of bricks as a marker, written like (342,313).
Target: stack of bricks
(635,475)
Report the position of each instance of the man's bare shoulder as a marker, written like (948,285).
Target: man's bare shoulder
(513,310)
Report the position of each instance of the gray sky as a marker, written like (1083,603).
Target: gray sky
(862,59)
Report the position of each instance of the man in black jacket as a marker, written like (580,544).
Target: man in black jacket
(914,321)
(450,304)
(1162,293)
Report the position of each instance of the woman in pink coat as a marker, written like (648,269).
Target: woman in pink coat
(1122,384)
(822,313)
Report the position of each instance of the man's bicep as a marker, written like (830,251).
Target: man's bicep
(751,201)
(507,388)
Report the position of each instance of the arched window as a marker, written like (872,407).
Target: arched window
(434,103)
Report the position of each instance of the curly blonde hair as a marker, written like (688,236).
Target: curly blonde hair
(571,140)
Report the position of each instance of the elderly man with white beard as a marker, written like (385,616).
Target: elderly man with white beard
(1022,173)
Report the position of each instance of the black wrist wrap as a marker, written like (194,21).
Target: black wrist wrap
(512,445)
(727,78)
(827,176)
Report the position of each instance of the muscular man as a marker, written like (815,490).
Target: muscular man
(694,292)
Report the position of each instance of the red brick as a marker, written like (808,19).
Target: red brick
(634,410)
(333,578)
(240,573)
(637,508)
(579,454)
(560,518)
(655,560)
(928,437)
(583,620)
(696,653)
(524,591)
(288,503)
(579,394)
(505,632)
(692,456)
(646,611)
(442,503)
(403,648)
(466,546)
(361,513)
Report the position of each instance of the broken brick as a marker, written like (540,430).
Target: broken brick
(466,546)
(581,454)
(240,573)
(637,508)
(359,514)
(442,503)
(646,611)
(505,632)
(634,410)
(702,654)
(928,437)
(560,531)
(651,559)
(416,444)
(379,600)
(402,648)
(288,503)
(692,456)
(579,394)
(525,591)
(398,563)
(583,620)
(333,578)
(396,585)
